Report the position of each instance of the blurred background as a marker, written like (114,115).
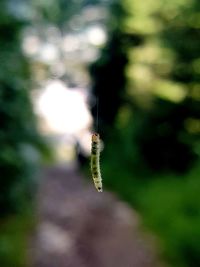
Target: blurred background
(139,62)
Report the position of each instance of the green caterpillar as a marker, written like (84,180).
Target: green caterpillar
(95,165)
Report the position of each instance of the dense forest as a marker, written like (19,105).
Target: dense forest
(147,83)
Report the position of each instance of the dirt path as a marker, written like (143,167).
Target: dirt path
(79,227)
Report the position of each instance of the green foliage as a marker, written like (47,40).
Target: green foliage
(19,140)
(175,217)
(154,70)
(20,143)
(109,71)
(169,204)
(152,118)
(111,79)
(162,77)
(14,233)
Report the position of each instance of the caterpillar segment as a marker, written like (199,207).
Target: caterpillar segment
(95,164)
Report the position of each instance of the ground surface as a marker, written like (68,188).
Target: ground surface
(79,227)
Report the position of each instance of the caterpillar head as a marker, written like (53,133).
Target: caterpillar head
(99,189)
(95,137)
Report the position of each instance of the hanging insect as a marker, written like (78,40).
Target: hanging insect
(95,164)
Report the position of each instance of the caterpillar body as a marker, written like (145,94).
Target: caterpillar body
(95,165)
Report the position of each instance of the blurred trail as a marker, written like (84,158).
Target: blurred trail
(79,227)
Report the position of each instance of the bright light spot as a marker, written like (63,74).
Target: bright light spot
(31,45)
(70,43)
(46,52)
(169,90)
(49,52)
(64,110)
(84,138)
(96,36)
